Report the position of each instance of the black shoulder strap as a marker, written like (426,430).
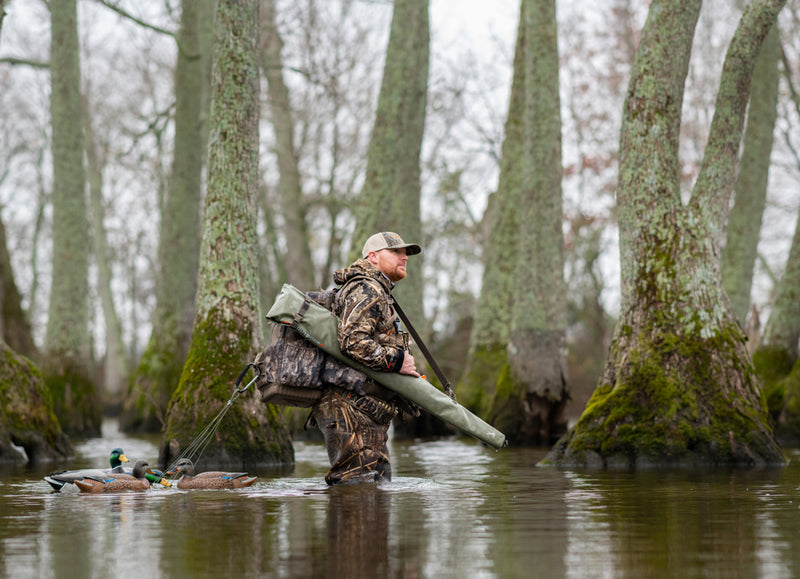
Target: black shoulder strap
(425,351)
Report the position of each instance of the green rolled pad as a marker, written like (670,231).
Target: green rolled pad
(319,326)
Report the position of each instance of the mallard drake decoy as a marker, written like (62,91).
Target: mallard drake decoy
(209,479)
(156,476)
(116,481)
(58,479)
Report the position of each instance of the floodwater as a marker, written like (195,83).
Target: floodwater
(455,508)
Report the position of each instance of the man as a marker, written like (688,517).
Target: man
(356,426)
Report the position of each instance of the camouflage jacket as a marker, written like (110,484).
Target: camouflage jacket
(369,329)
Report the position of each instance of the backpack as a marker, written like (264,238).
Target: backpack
(295,372)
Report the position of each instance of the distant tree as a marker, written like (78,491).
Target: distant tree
(390,197)
(744,222)
(300,271)
(115,364)
(160,366)
(678,385)
(67,360)
(227,329)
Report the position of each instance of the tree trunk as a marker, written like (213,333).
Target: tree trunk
(27,418)
(115,366)
(159,369)
(298,251)
(491,332)
(67,358)
(678,386)
(744,221)
(227,330)
(390,198)
(539,321)
(15,330)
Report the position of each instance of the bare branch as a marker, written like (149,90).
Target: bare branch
(132,18)
(25,62)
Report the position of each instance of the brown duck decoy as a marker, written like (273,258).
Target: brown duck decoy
(209,479)
(59,479)
(140,480)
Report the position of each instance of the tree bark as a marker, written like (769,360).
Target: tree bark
(539,320)
(744,221)
(390,198)
(67,358)
(15,329)
(227,330)
(679,385)
(27,418)
(159,369)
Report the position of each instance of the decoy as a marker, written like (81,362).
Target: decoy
(117,482)
(58,479)
(209,479)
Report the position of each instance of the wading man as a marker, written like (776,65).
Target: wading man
(356,426)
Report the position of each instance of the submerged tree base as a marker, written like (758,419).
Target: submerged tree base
(672,402)
(27,419)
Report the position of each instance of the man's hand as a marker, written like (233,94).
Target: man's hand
(408,365)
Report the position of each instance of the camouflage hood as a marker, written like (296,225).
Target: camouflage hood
(361,268)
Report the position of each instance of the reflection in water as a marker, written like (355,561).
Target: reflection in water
(454,509)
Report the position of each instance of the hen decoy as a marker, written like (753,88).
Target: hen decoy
(58,479)
(208,479)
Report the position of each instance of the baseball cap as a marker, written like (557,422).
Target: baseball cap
(388,240)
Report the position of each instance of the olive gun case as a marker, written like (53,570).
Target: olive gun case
(319,326)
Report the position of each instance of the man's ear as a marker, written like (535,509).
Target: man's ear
(372,257)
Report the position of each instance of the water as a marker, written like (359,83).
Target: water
(454,509)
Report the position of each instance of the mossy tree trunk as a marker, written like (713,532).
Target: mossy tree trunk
(160,366)
(227,329)
(539,316)
(776,359)
(679,385)
(298,251)
(491,330)
(66,364)
(27,418)
(744,221)
(390,198)
(517,366)
(15,329)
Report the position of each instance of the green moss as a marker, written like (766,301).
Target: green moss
(666,407)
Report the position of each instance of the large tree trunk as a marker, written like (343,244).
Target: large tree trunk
(491,330)
(159,369)
(27,419)
(227,329)
(298,251)
(744,221)
(67,357)
(539,319)
(390,198)
(519,339)
(679,386)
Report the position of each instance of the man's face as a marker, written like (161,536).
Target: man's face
(392,262)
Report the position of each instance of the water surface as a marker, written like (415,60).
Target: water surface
(455,508)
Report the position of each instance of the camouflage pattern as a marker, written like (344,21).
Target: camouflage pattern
(356,427)
(369,329)
(356,443)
